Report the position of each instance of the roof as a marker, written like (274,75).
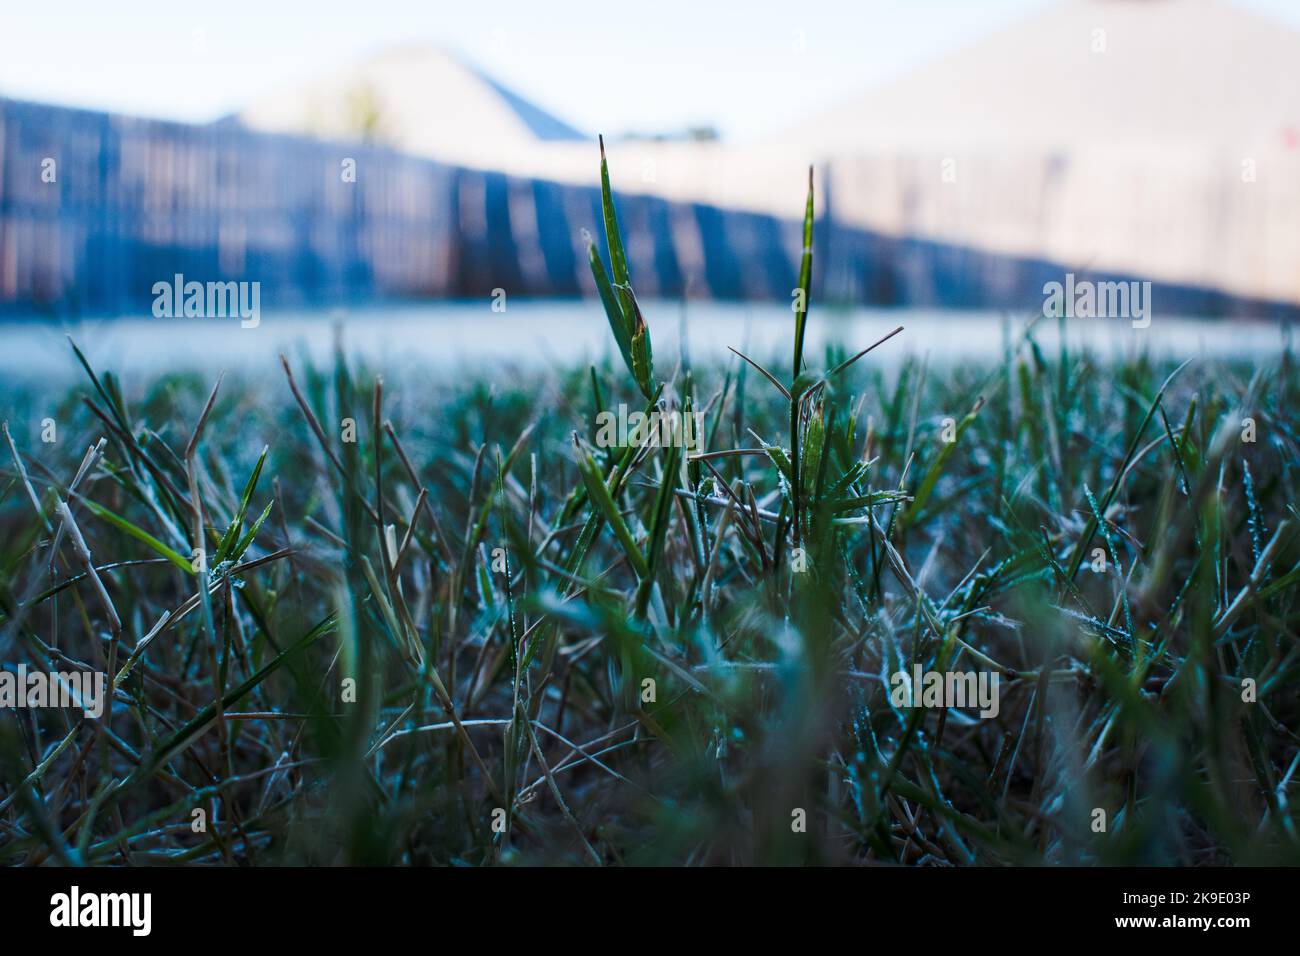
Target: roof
(418,99)
(1131,73)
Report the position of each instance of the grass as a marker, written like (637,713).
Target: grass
(469,635)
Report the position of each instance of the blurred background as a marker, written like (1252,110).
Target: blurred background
(346,155)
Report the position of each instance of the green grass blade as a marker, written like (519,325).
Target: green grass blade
(805,283)
(228,539)
(139,534)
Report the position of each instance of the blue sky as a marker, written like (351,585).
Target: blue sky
(750,67)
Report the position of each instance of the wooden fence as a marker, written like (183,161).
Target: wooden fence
(96,208)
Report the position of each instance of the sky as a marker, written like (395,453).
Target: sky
(748,67)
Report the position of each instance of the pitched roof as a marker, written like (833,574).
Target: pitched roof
(1143,73)
(418,99)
